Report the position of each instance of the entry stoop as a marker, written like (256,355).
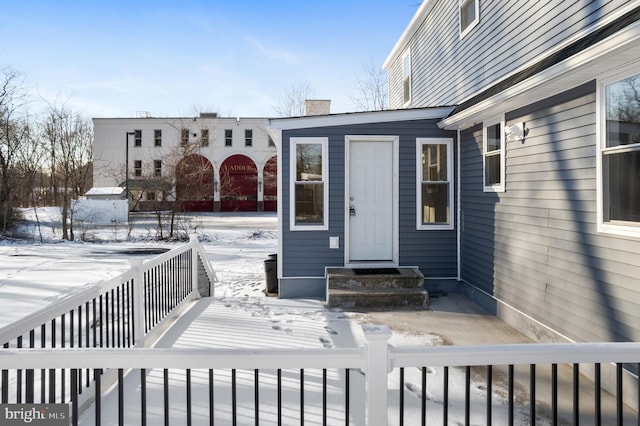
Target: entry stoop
(375,287)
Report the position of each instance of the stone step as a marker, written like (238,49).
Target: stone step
(378,278)
(367,298)
(375,287)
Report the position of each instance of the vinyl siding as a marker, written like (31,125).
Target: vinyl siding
(510,34)
(307,253)
(535,247)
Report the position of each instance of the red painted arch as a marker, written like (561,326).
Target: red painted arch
(238,184)
(270,185)
(195,184)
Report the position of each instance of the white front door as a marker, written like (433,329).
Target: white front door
(370,200)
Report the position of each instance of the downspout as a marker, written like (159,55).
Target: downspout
(459,209)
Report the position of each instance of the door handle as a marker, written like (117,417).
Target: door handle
(352,211)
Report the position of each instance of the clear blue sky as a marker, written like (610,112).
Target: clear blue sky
(171,58)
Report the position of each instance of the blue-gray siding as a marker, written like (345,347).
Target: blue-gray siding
(535,246)
(510,34)
(307,253)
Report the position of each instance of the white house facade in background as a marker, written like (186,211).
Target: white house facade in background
(205,163)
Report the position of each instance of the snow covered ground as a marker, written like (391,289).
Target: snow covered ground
(34,274)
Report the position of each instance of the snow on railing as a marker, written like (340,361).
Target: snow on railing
(345,385)
(126,311)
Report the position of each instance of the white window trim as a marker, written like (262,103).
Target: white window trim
(471,25)
(615,228)
(503,145)
(406,55)
(434,141)
(292,183)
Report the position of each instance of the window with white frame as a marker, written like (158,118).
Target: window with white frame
(157,168)
(493,142)
(157,137)
(309,195)
(406,77)
(434,185)
(620,154)
(469,11)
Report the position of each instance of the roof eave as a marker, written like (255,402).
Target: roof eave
(398,49)
(354,118)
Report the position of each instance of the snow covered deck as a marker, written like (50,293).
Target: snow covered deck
(243,356)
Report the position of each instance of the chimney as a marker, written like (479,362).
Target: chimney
(317,107)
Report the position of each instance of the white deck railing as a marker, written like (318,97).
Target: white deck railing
(326,386)
(130,310)
(59,355)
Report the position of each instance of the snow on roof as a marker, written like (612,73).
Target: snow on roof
(105,190)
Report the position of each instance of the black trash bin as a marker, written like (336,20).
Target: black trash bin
(271,273)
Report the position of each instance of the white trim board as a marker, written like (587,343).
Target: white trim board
(353,118)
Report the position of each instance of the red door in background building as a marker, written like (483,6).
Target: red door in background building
(238,184)
(270,185)
(194,184)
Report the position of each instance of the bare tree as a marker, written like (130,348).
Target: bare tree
(13,131)
(70,138)
(291,104)
(30,161)
(373,93)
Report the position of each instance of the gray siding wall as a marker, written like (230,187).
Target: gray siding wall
(447,70)
(535,246)
(307,253)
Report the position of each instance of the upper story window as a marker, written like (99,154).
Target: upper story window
(494,157)
(204,137)
(137,138)
(406,77)
(137,168)
(434,183)
(248,137)
(619,154)
(228,137)
(184,137)
(157,137)
(157,168)
(469,11)
(309,197)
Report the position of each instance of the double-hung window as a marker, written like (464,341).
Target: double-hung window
(137,168)
(309,193)
(469,12)
(137,139)
(157,168)
(434,184)
(619,154)
(204,137)
(228,137)
(157,137)
(248,137)
(493,142)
